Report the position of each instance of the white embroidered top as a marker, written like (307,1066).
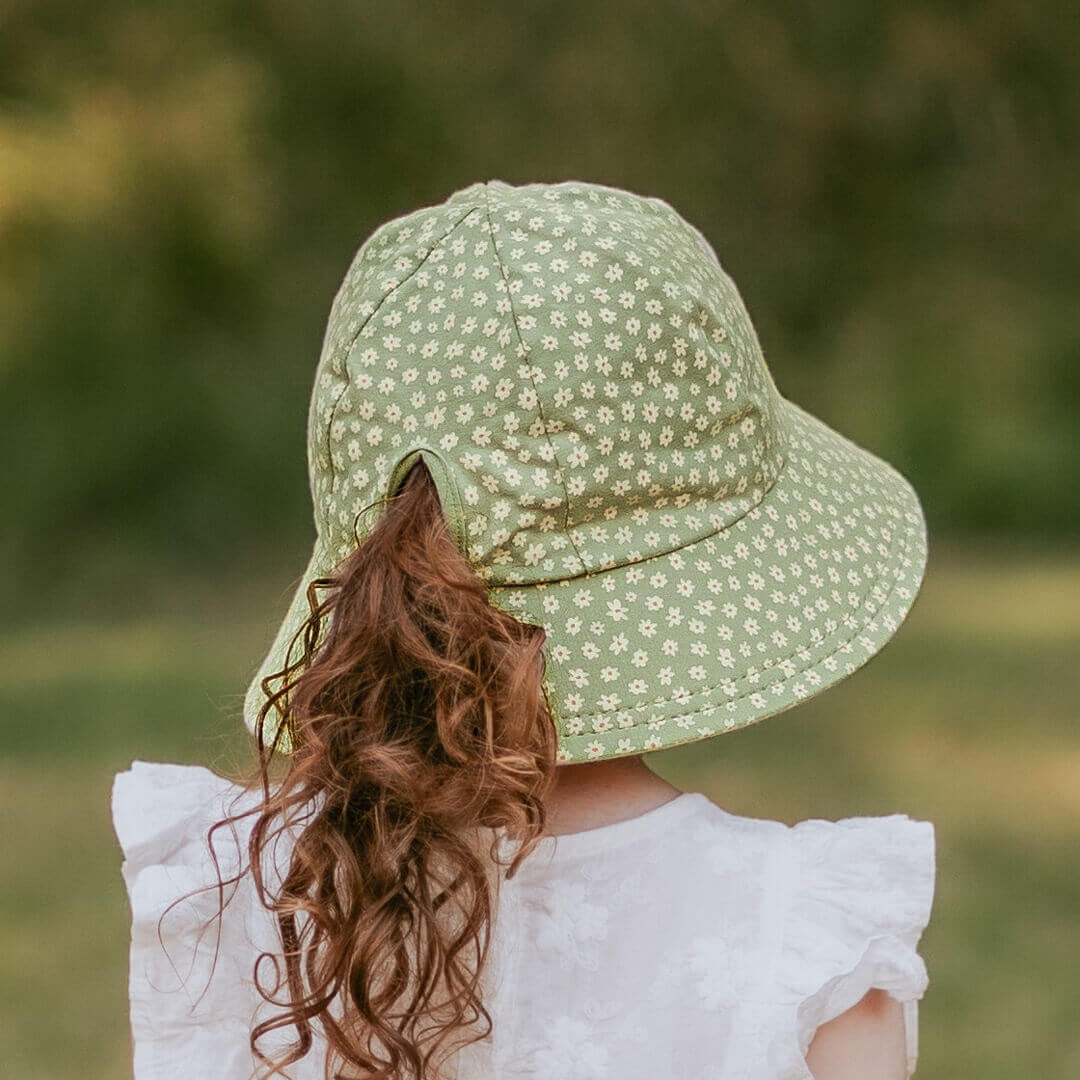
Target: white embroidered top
(687,943)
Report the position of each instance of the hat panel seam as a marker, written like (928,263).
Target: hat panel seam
(759,405)
(525,352)
(601,570)
(902,552)
(347,351)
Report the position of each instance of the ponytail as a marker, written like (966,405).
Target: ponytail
(418,721)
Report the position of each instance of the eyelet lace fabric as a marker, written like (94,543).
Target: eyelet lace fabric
(686,943)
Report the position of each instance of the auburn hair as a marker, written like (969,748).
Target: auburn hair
(420,735)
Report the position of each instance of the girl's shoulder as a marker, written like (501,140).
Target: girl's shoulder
(842,907)
(829,892)
(156,802)
(855,867)
(724,918)
(814,857)
(193,996)
(869,871)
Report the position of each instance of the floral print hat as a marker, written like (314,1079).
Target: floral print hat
(583,380)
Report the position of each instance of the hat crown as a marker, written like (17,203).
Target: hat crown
(572,363)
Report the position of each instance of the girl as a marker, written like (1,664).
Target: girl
(564,519)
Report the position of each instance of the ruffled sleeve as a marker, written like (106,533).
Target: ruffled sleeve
(191,985)
(860,897)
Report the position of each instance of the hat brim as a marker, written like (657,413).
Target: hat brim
(789,600)
(287,648)
(820,574)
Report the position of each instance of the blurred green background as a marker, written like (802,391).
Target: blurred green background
(893,186)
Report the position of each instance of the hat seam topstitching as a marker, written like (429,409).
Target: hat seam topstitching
(903,552)
(661,208)
(525,353)
(604,568)
(346,352)
(742,678)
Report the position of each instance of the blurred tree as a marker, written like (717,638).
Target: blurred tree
(181,188)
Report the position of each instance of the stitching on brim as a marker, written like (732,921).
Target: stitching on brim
(904,551)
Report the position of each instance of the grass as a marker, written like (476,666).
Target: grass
(967,719)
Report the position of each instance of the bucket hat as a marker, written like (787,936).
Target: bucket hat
(614,459)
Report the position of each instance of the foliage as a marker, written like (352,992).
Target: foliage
(182,187)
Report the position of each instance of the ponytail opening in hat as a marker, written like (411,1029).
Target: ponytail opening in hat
(418,721)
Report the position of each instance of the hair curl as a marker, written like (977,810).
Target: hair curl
(418,720)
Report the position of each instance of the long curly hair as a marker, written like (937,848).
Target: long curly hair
(421,734)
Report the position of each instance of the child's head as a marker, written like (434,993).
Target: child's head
(563,514)
(616,464)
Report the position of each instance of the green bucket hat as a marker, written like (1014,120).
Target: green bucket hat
(583,380)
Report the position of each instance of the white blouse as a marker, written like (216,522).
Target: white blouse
(686,943)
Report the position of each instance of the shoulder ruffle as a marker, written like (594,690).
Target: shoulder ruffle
(161,808)
(860,898)
(191,977)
